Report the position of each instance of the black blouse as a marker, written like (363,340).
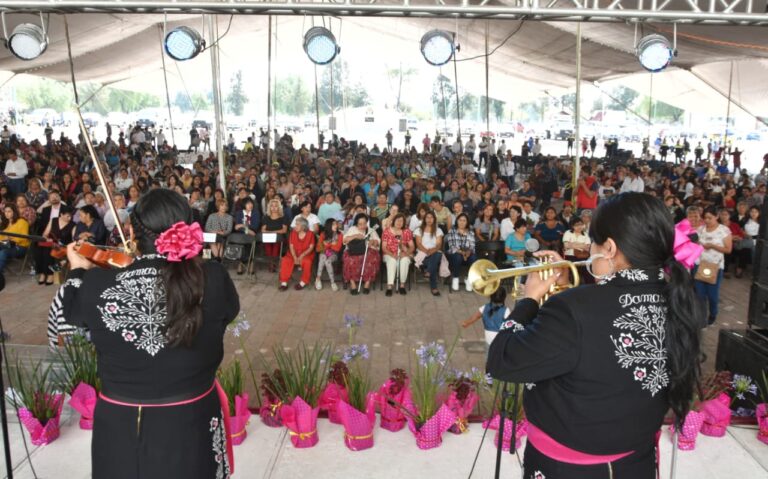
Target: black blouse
(124,309)
(594,358)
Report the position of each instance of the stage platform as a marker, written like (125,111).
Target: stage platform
(267,453)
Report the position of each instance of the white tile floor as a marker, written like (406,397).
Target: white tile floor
(268,454)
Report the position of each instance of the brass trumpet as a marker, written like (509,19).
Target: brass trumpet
(486,278)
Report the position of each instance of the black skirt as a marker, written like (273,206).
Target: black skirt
(186,441)
(640,465)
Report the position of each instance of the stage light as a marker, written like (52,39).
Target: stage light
(654,52)
(438,47)
(27,41)
(183,43)
(320,45)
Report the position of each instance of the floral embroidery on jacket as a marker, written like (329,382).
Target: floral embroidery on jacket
(640,345)
(219,448)
(136,310)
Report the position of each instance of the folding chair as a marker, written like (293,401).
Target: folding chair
(244,240)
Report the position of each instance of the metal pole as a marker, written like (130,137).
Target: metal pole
(728,109)
(577,120)
(269,87)
(213,30)
(487,99)
(165,78)
(317,111)
(650,108)
(332,118)
(458,102)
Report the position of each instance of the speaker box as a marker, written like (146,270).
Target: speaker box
(763,234)
(760,262)
(758,305)
(743,352)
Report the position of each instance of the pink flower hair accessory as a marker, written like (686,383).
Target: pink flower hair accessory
(180,241)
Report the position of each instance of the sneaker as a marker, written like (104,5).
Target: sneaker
(283,286)
(334,287)
(468,285)
(455,284)
(318,284)
(402,291)
(388,293)
(299,286)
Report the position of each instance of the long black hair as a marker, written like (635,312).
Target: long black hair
(154,213)
(644,232)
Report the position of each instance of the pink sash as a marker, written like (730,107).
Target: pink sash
(553,449)
(224,412)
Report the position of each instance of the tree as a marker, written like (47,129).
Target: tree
(660,110)
(200,101)
(183,102)
(497,107)
(568,102)
(443,96)
(534,110)
(292,96)
(237,99)
(468,106)
(346,93)
(621,98)
(45,93)
(401,76)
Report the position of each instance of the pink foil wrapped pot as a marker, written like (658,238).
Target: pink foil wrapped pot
(717,415)
(43,434)
(83,400)
(522,430)
(270,412)
(462,409)
(686,440)
(329,398)
(392,418)
(358,426)
(301,420)
(430,434)
(762,422)
(239,419)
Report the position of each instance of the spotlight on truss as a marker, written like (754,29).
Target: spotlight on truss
(438,47)
(27,41)
(320,45)
(183,43)
(654,52)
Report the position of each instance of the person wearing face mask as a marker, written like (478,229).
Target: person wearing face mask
(637,330)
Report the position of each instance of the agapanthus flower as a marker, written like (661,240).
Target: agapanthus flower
(355,351)
(432,353)
(742,385)
(352,321)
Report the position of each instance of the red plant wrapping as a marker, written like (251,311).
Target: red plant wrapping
(762,422)
(522,430)
(83,400)
(270,412)
(301,420)
(430,434)
(358,425)
(717,415)
(42,434)
(392,418)
(329,398)
(239,419)
(462,409)
(686,440)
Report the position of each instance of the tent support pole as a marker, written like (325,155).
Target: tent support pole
(165,79)
(728,109)
(269,88)
(317,111)
(213,28)
(577,119)
(487,88)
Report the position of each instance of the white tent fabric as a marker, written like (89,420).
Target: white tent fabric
(124,50)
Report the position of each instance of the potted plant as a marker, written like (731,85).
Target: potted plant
(80,378)
(711,387)
(238,329)
(231,381)
(428,420)
(335,391)
(745,388)
(357,411)
(762,412)
(395,391)
(303,380)
(271,404)
(38,403)
(514,409)
(463,398)
(716,405)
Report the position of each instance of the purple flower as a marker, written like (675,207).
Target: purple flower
(432,353)
(356,351)
(352,321)
(742,385)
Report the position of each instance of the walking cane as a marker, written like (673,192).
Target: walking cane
(397,268)
(365,256)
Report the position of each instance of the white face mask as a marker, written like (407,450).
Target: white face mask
(599,277)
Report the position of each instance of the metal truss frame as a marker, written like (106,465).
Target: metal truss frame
(710,12)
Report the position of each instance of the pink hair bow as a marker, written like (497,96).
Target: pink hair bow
(180,241)
(686,251)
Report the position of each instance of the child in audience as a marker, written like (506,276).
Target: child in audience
(328,249)
(494,316)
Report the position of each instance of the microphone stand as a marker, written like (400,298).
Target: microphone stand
(3,414)
(503,413)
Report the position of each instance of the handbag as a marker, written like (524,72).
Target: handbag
(707,272)
(356,247)
(233,252)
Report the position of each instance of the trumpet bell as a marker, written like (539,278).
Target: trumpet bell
(482,282)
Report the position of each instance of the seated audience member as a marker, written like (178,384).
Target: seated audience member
(418,218)
(276,222)
(328,249)
(530,216)
(576,244)
(381,209)
(301,253)
(461,250)
(12,247)
(58,232)
(549,232)
(514,246)
(247,221)
(220,223)
(305,211)
(508,224)
(486,226)
(429,241)
(398,248)
(394,210)
(91,227)
(442,213)
(359,265)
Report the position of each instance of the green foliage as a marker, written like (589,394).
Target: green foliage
(237,99)
(79,363)
(660,110)
(293,97)
(44,93)
(534,110)
(303,372)
(623,98)
(443,97)
(428,377)
(400,76)
(195,102)
(231,379)
(34,390)
(346,93)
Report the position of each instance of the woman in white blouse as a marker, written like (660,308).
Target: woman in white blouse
(429,240)
(717,242)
